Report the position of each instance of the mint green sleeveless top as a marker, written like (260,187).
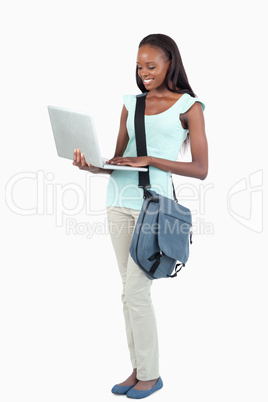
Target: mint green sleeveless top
(164,137)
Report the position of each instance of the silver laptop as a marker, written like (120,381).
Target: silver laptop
(76,130)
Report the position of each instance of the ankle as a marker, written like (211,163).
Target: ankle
(145,385)
(131,380)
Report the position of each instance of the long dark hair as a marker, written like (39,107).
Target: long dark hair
(176,74)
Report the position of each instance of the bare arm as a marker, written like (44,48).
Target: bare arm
(122,139)
(198,167)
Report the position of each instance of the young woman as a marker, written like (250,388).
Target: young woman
(173,115)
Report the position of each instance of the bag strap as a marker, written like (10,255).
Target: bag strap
(144,177)
(139,121)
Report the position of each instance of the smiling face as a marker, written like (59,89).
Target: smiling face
(153,66)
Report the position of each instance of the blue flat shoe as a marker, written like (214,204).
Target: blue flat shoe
(137,394)
(121,389)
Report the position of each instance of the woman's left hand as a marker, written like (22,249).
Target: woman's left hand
(130,161)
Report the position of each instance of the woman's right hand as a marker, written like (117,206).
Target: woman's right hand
(80,162)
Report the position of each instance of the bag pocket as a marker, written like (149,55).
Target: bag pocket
(175,223)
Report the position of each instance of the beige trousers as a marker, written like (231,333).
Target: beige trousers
(138,310)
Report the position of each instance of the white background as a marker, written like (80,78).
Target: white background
(62,331)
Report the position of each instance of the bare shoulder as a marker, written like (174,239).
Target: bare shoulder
(195,109)
(124,114)
(194,113)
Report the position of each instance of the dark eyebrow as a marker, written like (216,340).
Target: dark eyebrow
(148,62)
